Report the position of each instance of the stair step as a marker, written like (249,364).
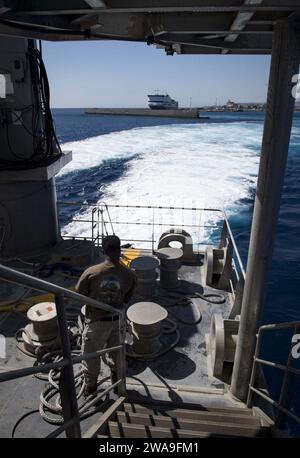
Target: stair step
(224,427)
(117,430)
(193,414)
(165,405)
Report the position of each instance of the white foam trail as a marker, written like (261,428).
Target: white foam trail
(93,151)
(203,165)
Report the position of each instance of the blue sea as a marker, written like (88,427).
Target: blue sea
(206,163)
(170,161)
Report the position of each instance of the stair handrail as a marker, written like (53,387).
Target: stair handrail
(282,411)
(71,417)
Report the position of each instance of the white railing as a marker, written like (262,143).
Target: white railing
(280,405)
(207,226)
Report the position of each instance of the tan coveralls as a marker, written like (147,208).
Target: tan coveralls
(112,284)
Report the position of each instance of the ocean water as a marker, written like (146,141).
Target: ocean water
(205,163)
(200,163)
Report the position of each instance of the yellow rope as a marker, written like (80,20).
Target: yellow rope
(129,255)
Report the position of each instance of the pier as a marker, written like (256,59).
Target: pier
(179,113)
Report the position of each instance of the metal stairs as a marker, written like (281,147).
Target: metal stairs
(132,420)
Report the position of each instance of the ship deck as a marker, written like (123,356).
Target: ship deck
(183,374)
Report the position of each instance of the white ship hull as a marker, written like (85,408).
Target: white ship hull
(162,102)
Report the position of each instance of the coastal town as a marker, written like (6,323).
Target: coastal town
(233,106)
(237,106)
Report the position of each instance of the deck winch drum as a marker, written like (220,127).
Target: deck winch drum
(146,318)
(44,320)
(42,331)
(145,269)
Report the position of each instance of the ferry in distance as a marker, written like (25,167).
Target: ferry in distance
(162,102)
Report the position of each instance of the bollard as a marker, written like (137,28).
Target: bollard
(169,266)
(145,269)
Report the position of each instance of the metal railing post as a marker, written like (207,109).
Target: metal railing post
(67,381)
(98,231)
(153,228)
(122,335)
(102,225)
(253,373)
(109,217)
(283,397)
(93,224)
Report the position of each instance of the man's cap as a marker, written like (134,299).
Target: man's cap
(111,243)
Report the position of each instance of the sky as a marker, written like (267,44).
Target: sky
(121,74)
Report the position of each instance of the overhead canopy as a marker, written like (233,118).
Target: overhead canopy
(178,26)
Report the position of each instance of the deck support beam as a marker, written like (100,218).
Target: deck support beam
(275,145)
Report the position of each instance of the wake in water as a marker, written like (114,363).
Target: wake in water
(184,165)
